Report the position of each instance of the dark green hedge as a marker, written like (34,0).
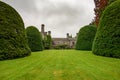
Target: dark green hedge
(34,39)
(85,38)
(107,40)
(13,39)
(47,42)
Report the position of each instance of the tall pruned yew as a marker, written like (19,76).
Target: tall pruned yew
(34,39)
(107,40)
(13,39)
(85,38)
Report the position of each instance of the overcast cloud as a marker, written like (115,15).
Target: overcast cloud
(59,16)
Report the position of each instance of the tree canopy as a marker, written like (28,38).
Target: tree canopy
(47,42)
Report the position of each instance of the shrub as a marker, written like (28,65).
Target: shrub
(107,40)
(13,39)
(34,39)
(61,46)
(47,42)
(85,38)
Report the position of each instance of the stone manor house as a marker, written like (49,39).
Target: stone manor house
(69,40)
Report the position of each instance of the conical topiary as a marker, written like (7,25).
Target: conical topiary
(34,38)
(13,39)
(85,38)
(107,40)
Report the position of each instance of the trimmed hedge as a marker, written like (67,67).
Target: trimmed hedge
(13,39)
(107,40)
(47,42)
(34,39)
(85,38)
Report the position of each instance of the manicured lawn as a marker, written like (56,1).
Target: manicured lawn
(61,65)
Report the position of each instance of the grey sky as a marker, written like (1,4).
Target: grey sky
(59,16)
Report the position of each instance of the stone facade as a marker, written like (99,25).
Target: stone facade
(69,40)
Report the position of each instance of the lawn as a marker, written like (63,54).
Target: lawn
(61,65)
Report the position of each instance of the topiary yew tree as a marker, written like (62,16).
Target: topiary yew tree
(34,38)
(13,40)
(107,40)
(85,38)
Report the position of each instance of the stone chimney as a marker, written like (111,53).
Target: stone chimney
(49,32)
(76,35)
(42,28)
(67,35)
(45,33)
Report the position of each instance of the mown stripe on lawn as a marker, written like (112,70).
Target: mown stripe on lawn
(61,65)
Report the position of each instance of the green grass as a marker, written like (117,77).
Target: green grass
(61,65)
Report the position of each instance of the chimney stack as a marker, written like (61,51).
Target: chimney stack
(45,33)
(49,32)
(76,35)
(42,28)
(67,35)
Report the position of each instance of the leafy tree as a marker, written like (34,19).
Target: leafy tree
(85,38)
(47,42)
(34,39)
(107,40)
(111,1)
(13,39)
